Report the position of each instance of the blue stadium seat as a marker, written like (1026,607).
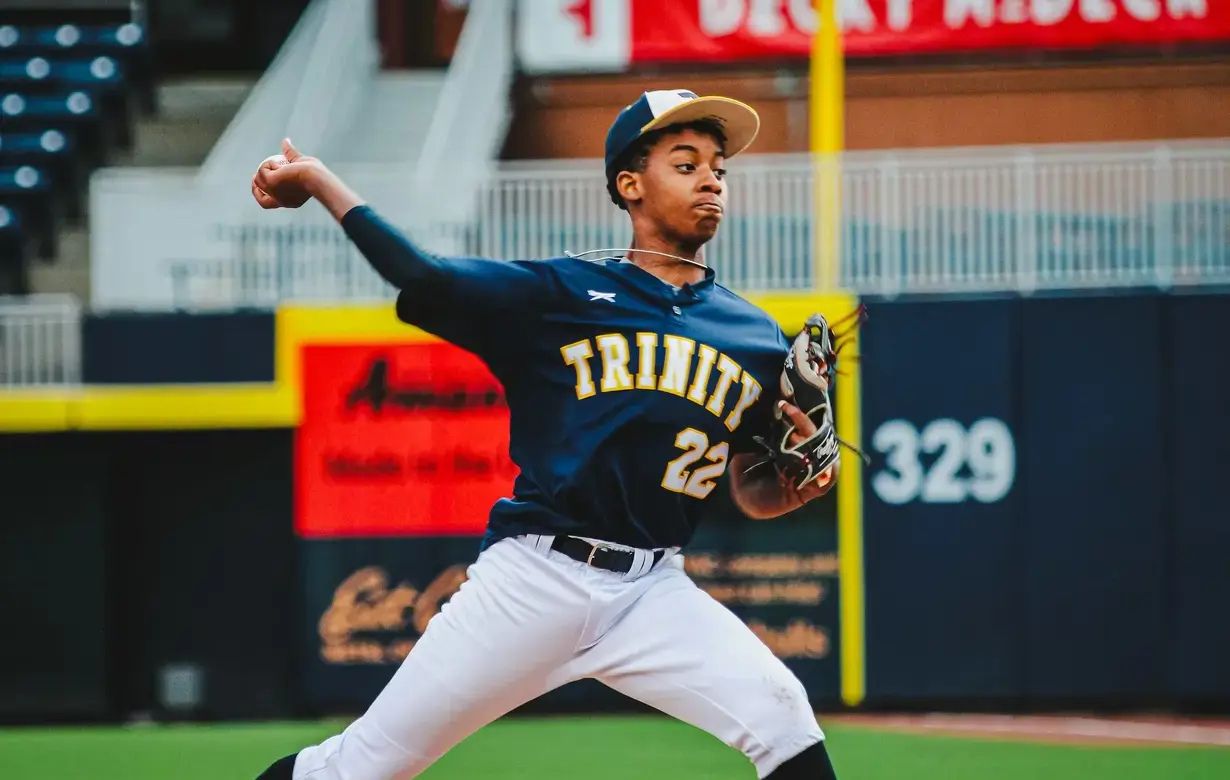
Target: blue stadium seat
(71,38)
(13,249)
(70,78)
(55,151)
(126,43)
(22,146)
(74,110)
(10,226)
(101,76)
(30,73)
(30,191)
(23,179)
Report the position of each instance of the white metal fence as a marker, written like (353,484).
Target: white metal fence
(40,341)
(1033,219)
(927,221)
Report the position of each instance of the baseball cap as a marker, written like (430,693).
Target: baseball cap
(660,108)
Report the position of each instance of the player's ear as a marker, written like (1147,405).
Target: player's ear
(629,186)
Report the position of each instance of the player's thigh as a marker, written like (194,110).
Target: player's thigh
(682,652)
(506,637)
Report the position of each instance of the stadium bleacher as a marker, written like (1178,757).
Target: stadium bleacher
(72,80)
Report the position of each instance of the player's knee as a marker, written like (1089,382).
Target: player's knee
(282,769)
(786,725)
(793,715)
(811,764)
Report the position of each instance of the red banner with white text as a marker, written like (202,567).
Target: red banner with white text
(613,35)
(399,440)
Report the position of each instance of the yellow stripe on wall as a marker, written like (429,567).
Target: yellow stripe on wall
(276,404)
(33,411)
(182,407)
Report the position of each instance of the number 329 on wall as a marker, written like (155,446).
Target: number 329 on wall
(978,463)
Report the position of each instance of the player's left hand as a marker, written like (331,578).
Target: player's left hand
(804,428)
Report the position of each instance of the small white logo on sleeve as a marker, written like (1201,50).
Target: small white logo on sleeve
(594,295)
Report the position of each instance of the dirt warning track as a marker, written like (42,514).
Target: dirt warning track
(1055,729)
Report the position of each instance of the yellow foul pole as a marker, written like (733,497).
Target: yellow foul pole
(827,99)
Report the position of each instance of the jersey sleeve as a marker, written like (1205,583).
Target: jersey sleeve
(478,304)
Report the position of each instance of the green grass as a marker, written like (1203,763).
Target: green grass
(601,749)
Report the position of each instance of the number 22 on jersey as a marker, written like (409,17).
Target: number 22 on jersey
(700,482)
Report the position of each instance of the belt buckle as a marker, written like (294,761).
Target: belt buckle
(593,550)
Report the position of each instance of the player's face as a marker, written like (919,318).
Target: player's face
(683,186)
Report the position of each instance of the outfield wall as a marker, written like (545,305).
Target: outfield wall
(1085,567)
(1042,524)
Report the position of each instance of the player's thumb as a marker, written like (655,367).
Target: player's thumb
(289,151)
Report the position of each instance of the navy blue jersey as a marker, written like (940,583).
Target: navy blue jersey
(627,396)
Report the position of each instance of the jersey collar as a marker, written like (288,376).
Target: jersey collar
(680,296)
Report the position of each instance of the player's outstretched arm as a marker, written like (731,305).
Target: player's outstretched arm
(761,493)
(456,298)
(292,178)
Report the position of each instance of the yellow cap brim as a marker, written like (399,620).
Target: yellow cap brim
(739,121)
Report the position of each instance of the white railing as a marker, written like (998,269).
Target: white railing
(40,341)
(926,221)
(1027,219)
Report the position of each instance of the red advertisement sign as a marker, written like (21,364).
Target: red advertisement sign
(399,440)
(743,30)
(613,35)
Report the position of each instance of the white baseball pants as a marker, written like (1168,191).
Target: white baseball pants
(530,619)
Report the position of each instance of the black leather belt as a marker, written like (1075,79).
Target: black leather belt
(599,555)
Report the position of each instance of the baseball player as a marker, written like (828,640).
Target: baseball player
(635,385)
